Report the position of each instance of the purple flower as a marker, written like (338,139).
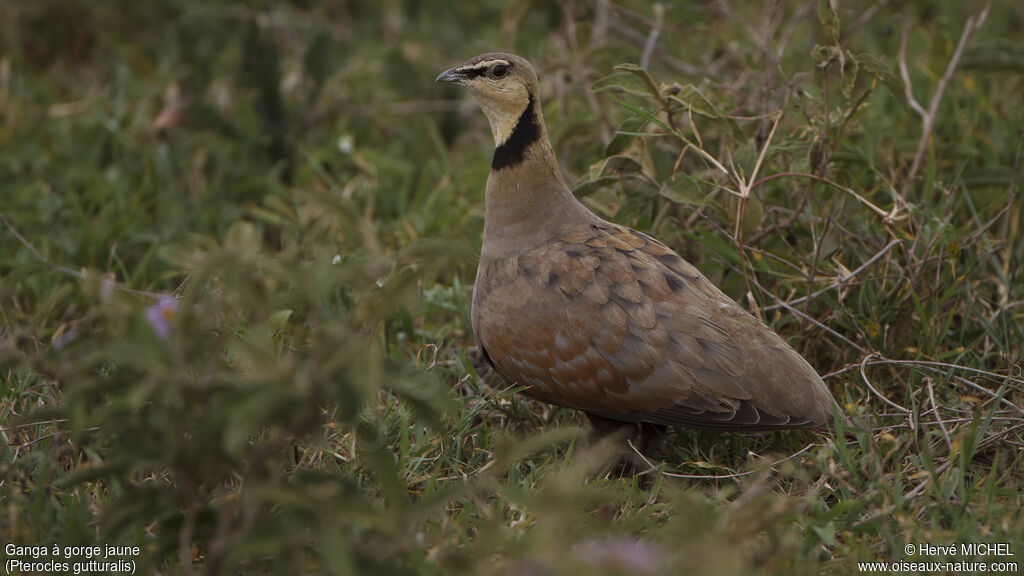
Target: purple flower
(627,554)
(63,339)
(160,315)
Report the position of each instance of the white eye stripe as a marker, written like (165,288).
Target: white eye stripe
(483,65)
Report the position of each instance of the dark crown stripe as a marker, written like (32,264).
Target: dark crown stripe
(478,68)
(472,72)
(513,150)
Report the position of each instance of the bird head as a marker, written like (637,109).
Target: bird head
(504,85)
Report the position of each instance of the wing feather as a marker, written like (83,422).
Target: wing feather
(612,322)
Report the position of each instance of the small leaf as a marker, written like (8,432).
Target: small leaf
(880,68)
(683,189)
(829,19)
(833,240)
(826,533)
(744,157)
(693,99)
(623,81)
(242,238)
(825,55)
(590,185)
(279,319)
(801,164)
(816,156)
(849,73)
(642,74)
(625,135)
(618,164)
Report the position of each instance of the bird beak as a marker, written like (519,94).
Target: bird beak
(450,75)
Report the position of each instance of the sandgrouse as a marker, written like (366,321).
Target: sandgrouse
(595,316)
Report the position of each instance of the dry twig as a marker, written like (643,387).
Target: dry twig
(841,281)
(714,476)
(928,116)
(68,271)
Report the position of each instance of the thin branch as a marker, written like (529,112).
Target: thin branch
(906,497)
(618,25)
(928,117)
(905,73)
(745,188)
(993,375)
(849,29)
(938,422)
(52,435)
(938,472)
(41,423)
(889,216)
(652,37)
(669,129)
(981,389)
(21,238)
(716,476)
(806,317)
(878,394)
(73,273)
(841,281)
(883,360)
(938,418)
(933,367)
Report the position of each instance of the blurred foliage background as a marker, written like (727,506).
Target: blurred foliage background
(238,242)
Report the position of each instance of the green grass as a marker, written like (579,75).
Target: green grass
(291,173)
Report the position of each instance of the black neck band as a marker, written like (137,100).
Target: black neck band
(525,132)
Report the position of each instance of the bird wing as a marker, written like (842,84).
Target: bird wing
(612,322)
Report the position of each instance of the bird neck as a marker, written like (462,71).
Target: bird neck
(527,201)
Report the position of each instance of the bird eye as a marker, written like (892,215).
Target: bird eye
(499,71)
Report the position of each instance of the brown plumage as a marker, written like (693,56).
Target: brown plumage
(595,316)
